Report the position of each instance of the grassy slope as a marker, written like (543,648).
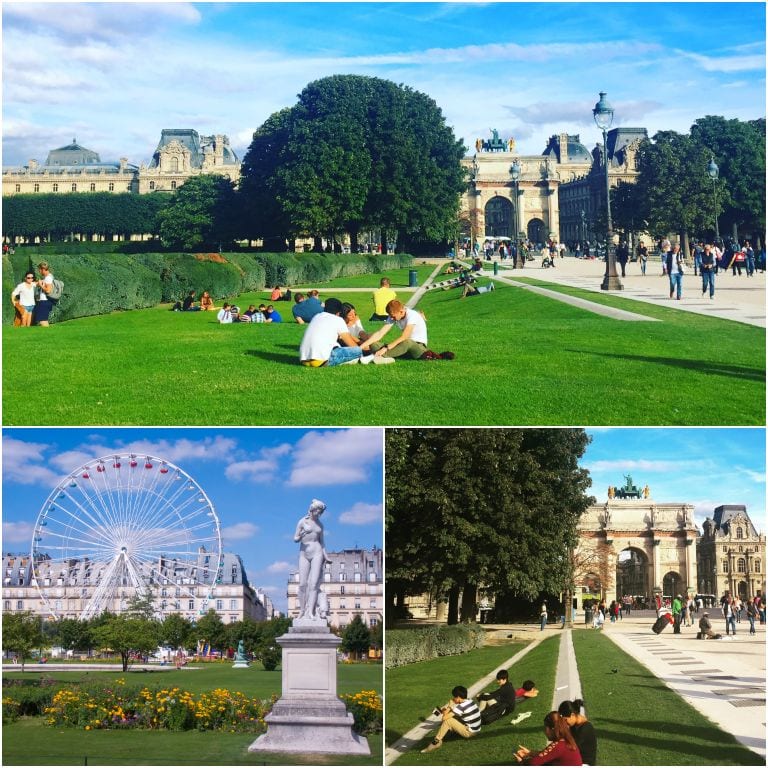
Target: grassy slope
(414,690)
(639,721)
(520,359)
(60,746)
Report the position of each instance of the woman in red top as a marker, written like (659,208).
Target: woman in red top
(562,749)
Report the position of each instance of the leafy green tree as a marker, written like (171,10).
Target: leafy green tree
(200,214)
(475,508)
(176,630)
(267,650)
(22,633)
(356,638)
(142,606)
(739,151)
(355,152)
(73,634)
(210,629)
(128,635)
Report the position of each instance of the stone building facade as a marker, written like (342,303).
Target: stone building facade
(354,584)
(180,154)
(233,598)
(731,554)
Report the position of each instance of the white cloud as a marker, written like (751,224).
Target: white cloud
(256,471)
(17,532)
(645,465)
(22,463)
(239,531)
(281,566)
(362,514)
(338,457)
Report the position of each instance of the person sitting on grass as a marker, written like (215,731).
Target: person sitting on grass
(461,716)
(272,315)
(225,313)
(278,294)
(188,305)
(496,704)
(381,297)
(412,341)
(206,302)
(470,289)
(253,315)
(582,730)
(305,308)
(354,323)
(323,339)
(562,749)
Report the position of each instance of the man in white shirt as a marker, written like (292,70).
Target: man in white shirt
(321,344)
(412,341)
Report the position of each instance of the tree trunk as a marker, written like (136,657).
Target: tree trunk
(469,603)
(453,604)
(685,247)
(124,660)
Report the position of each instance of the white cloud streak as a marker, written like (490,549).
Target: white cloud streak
(362,514)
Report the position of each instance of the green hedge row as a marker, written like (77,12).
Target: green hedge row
(406,646)
(96,284)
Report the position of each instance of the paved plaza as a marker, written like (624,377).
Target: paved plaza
(723,679)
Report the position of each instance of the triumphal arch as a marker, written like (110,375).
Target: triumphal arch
(632,544)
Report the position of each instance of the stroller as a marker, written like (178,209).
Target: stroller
(547,262)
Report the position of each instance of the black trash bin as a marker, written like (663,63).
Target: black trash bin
(412,281)
(588,615)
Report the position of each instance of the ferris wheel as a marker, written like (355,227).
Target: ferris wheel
(126,526)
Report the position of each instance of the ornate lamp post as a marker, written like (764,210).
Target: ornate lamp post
(714,172)
(515,173)
(603,114)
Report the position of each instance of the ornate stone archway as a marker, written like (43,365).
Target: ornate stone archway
(662,536)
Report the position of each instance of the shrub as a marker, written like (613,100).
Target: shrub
(11,710)
(407,646)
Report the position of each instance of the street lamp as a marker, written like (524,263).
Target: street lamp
(714,172)
(515,172)
(583,228)
(603,114)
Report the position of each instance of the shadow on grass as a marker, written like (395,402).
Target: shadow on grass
(702,366)
(653,736)
(273,357)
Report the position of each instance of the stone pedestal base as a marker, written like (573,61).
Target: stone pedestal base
(309,716)
(241,664)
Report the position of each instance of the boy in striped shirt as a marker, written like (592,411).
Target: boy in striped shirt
(461,716)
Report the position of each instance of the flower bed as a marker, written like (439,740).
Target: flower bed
(170,709)
(366,709)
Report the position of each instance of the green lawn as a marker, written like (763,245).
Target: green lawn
(520,359)
(639,720)
(61,746)
(414,690)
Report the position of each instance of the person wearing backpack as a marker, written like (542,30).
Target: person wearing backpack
(49,294)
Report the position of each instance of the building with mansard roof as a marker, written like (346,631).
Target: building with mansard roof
(69,590)
(731,554)
(353,581)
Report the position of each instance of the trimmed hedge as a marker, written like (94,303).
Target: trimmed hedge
(96,284)
(407,646)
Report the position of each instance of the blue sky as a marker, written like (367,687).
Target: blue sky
(115,74)
(260,482)
(699,466)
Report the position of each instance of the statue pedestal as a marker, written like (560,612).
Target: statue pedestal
(309,716)
(241,664)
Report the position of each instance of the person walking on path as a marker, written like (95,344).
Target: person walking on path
(642,257)
(677,613)
(461,716)
(729,615)
(543,616)
(708,268)
(751,615)
(674,263)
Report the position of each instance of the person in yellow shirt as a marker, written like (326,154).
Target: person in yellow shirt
(381,297)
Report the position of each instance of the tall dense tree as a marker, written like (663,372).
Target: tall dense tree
(354,152)
(73,634)
(176,630)
(356,637)
(128,635)
(200,215)
(21,634)
(475,508)
(210,629)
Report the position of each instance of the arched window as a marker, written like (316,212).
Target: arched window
(93,187)
(37,187)
(111,186)
(725,566)
(55,187)
(741,565)
(151,185)
(174,165)
(757,566)
(18,187)
(173,185)
(739,533)
(74,187)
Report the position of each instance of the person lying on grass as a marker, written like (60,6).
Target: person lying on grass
(324,337)
(412,341)
(562,749)
(528,690)
(461,716)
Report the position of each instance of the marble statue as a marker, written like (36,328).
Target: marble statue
(312,557)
